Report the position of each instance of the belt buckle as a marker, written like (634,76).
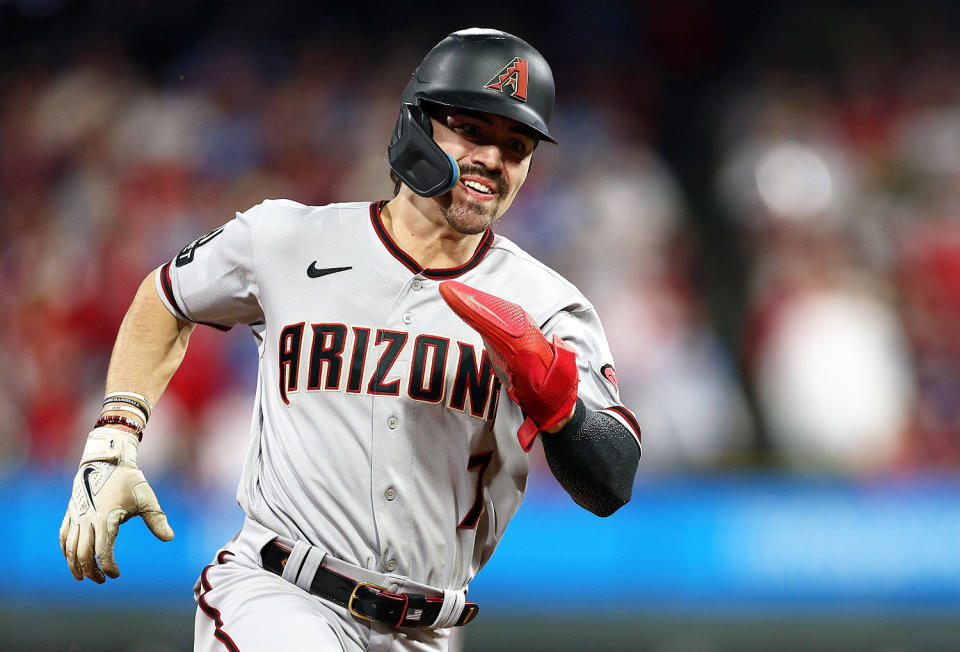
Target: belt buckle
(353,596)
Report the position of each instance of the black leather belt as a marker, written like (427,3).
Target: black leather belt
(365,600)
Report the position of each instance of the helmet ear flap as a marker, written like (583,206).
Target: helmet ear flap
(416,158)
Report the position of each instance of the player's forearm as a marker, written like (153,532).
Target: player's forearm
(595,459)
(150,346)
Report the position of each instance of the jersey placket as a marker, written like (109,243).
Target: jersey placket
(394,429)
(395,469)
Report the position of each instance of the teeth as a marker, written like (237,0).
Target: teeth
(476,185)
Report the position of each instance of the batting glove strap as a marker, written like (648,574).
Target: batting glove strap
(548,402)
(111,445)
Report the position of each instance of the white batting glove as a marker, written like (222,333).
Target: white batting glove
(108,489)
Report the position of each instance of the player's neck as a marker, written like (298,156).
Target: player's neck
(425,236)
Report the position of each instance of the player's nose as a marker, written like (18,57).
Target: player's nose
(487,155)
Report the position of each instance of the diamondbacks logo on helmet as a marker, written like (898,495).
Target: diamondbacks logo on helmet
(514,76)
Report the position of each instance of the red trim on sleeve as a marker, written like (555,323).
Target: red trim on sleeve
(628,417)
(167,284)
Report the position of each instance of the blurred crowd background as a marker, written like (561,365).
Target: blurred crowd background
(762,201)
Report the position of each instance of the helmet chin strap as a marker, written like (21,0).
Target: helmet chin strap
(416,158)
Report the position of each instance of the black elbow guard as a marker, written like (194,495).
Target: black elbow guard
(595,458)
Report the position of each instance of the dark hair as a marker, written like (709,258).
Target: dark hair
(396,182)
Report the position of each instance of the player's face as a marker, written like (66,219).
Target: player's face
(493,153)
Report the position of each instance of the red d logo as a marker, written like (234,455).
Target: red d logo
(610,374)
(513,76)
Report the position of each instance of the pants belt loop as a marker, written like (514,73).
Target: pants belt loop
(453,603)
(299,570)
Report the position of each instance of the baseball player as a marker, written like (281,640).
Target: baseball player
(408,358)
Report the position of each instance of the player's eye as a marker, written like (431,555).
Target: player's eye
(467,129)
(518,147)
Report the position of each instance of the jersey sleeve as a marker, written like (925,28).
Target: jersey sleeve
(212,280)
(598,377)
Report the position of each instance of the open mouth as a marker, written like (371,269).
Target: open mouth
(479,188)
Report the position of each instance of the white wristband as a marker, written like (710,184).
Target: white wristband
(122,407)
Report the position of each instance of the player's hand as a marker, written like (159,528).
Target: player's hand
(108,489)
(540,376)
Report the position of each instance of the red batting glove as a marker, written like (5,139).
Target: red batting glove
(540,376)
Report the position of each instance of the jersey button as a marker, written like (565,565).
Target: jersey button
(390,493)
(416,285)
(407,317)
(391,565)
(393,422)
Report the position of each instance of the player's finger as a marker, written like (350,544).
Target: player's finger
(85,551)
(70,549)
(64,531)
(107,539)
(151,513)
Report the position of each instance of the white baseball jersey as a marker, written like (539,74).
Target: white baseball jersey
(379,432)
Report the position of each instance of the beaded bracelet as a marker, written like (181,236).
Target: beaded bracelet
(122,421)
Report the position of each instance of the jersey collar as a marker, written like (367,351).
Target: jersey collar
(450,272)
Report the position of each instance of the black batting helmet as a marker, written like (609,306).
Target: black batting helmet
(480,69)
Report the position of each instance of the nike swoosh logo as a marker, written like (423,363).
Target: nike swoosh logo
(314,272)
(86,484)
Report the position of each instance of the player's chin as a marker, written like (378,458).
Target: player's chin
(470,218)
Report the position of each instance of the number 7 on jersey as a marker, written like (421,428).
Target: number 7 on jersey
(480,461)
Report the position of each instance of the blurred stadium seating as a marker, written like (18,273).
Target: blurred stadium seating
(761,200)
